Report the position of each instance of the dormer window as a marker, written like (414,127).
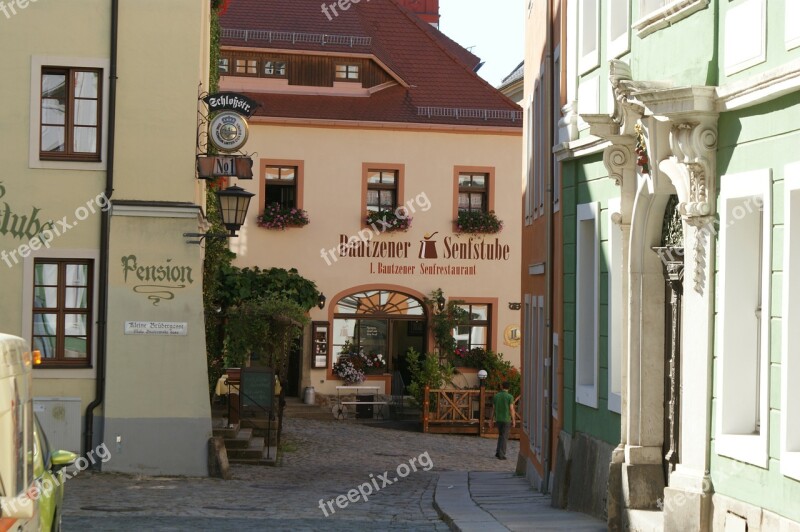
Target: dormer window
(275,69)
(348,72)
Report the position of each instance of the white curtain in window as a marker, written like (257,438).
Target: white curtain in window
(648,6)
(85,114)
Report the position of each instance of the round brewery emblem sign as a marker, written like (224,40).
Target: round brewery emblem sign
(511,336)
(228,131)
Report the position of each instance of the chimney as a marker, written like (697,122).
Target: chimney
(427,10)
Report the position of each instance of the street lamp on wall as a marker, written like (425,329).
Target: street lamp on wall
(321,301)
(232,204)
(440,301)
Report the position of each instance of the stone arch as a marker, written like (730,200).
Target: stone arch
(645,430)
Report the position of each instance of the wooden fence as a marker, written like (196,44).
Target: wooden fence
(453,411)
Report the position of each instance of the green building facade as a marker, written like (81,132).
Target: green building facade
(680,170)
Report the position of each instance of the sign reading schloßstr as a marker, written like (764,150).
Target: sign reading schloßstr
(231,101)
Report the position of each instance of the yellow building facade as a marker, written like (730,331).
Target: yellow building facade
(356,122)
(367,274)
(98,187)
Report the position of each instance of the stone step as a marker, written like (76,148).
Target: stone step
(262,460)
(251,453)
(258,423)
(240,441)
(644,520)
(225,431)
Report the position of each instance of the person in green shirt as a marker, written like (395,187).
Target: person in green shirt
(504,415)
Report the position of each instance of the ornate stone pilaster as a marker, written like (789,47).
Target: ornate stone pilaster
(692,170)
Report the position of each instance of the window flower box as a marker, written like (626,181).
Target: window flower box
(388,220)
(277,217)
(474,222)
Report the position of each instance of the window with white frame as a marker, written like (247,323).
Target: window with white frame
(614,308)
(790,358)
(537,138)
(69,108)
(543,154)
(588,35)
(535,406)
(59,301)
(619,22)
(556,118)
(530,168)
(554,380)
(587,308)
(62,311)
(792,25)
(745,31)
(540,374)
(744,316)
(588,99)
(530,372)
(527,354)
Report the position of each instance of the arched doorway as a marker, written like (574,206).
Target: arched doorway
(381,322)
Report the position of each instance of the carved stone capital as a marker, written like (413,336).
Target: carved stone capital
(618,158)
(691,169)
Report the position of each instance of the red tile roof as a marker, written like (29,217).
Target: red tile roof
(427,10)
(437,70)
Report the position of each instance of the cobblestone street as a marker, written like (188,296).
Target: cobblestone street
(323,460)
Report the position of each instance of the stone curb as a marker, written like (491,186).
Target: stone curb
(455,506)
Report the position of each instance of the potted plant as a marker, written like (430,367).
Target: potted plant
(476,222)
(374,363)
(346,370)
(388,220)
(460,357)
(277,217)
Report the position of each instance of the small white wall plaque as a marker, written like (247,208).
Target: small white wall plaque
(157,328)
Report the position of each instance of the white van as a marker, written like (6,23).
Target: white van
(17,511)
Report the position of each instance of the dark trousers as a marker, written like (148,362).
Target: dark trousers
(503,428)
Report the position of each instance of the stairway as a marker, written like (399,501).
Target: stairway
(246,442)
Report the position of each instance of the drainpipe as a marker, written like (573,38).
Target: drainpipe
(105,229)
(548,210)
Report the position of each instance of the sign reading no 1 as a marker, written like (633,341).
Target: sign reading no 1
(224,166)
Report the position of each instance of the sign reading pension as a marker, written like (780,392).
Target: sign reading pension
(157,328)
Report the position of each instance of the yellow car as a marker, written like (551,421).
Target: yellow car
(48,472)
(31,475)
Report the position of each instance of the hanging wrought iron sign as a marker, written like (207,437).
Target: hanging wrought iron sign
(228,131)
(231,101)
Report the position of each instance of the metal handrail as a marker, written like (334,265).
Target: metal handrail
(457,113)
(295,37)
